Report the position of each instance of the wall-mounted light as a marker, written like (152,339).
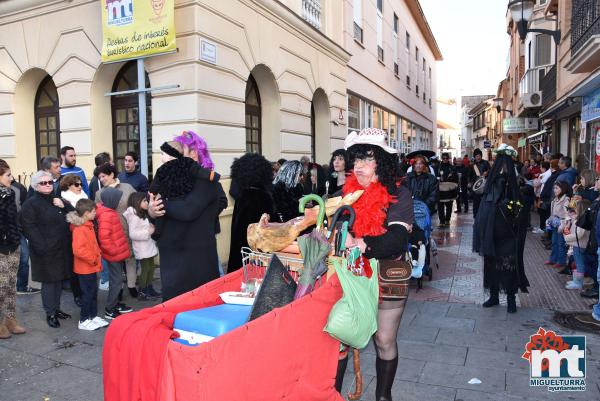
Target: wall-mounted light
(521,12)
(498,105)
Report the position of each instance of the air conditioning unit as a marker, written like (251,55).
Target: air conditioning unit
(530,100)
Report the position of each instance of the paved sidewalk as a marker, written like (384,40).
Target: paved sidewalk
(446,339)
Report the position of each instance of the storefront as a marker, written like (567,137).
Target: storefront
(536,144)
(404,135)
(590,129)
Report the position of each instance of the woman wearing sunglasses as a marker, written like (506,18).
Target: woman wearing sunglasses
(72,189)
(45,226)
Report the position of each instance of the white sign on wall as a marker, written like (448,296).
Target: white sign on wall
(208,52)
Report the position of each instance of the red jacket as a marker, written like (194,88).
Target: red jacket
(86,252)
(113,242)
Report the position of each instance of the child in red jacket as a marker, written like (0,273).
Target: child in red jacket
(114,247)
(86,262)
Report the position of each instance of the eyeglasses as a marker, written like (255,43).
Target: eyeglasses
(366,160)
(43,183)
(77,184)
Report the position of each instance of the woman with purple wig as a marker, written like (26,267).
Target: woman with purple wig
(187,243)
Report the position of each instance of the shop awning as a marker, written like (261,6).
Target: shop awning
(536,137)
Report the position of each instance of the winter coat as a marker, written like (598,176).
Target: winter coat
(10,234)
(423,187)
(285,202)
(72,197)
(113,242)
(122,206)
(588,193)
(447,173)
(136,179)
(248,208)
(86,251)
(139,232)
(187,244)
(569,176)
(547,189)
(558,207)
(577,238)
(47,230)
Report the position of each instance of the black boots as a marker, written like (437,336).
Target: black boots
(339,376)
(511,303)
(494,300)
(386,371)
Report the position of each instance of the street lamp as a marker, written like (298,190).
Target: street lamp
(521,12)
(498,105)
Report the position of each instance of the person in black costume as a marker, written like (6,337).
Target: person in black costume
(338,167)
(480,168)
(252,174)
(423,186)
(287,191)
(500,230)
(446,173)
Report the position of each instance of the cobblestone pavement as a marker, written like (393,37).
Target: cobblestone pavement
(446,339)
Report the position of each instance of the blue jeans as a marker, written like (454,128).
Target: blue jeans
(597,306)
(580,259)
(23,272)
(559,248)
(104,272)
(89,296)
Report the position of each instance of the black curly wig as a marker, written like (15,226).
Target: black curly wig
(387,163)
(339,152)
(252,170)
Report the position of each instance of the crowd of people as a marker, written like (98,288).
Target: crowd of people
(175,214)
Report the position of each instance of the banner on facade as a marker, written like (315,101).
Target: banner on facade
(137,28)
(519,125)
(590,109)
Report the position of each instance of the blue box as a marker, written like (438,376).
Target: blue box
(201,325)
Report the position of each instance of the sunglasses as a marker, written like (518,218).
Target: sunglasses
(77,184)
(43,183)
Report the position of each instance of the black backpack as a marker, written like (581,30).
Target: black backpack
(588,222)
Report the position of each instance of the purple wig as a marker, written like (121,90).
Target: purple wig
(193,141)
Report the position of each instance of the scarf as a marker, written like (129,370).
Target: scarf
(371,207)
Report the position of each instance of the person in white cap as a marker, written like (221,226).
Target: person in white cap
(384,217)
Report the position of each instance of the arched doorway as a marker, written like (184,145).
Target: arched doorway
(253,117)
(47,124)
(125,121)
(320,119)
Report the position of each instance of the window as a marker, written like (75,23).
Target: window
(396,69)
(377,117)
(408,81)
(429,72)
(543,46)
(379,53)
(353,113)
(395,23)
(417,90)
(407,41)
(424,64)
(380,6)
(126,128)
(358,32)
(47,125)
(379,27)
(416,54)
(253,117)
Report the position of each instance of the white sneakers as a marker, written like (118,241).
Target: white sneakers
(103,285)
(92,324)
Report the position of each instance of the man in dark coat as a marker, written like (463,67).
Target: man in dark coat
(45,226)
(187,244)
(480,168)
(446,173)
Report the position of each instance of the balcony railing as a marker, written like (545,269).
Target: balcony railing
(585,22)
(531,79)
(311,12)
(548,87)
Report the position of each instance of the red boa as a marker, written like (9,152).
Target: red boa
(371,207)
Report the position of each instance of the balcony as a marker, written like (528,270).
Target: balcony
(585,36)
(548,87)
(530,82)
(311,12)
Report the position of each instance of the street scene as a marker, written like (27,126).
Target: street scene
(299,199)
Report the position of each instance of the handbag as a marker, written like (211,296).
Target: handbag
(479,184)
(277,289)
(394,276)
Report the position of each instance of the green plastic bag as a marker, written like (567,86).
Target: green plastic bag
(353,319)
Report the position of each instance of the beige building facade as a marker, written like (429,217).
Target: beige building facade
(248,75)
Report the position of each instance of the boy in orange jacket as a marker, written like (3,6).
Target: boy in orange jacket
(86,262)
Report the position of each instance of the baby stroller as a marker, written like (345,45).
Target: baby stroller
(423,247)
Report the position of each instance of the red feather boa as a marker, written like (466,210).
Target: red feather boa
(371,207)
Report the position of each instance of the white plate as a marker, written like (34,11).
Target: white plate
(236,298)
